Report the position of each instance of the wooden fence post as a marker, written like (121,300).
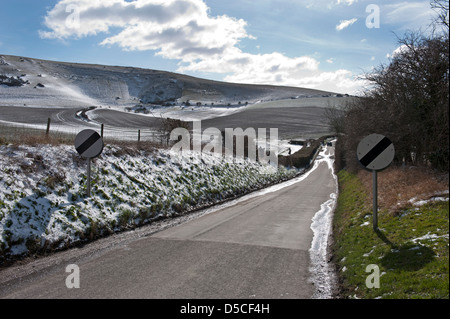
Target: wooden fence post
(48,127)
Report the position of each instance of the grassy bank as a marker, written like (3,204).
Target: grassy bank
(43,203)
(411,249)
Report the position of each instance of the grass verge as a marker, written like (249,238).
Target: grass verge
(411,249)
(44,207)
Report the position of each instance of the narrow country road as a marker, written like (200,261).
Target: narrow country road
(256,248)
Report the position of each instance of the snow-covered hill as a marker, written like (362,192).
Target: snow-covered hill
(69,84)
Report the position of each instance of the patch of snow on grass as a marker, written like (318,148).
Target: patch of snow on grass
(428,236)
(43,202)
(434,199)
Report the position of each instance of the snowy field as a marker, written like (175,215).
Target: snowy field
(43,203)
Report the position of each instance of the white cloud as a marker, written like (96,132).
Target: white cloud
(410,15)
(401,49)
(331,60)
(347,2)
(184,30)
(345,24)
(326,4)
(174,28)
(278,69)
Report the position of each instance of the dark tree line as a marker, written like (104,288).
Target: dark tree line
(407,100)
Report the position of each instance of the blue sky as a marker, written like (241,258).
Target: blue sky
(322,44)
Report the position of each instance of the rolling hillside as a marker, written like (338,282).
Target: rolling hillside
(48,83)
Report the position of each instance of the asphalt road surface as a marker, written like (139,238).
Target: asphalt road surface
(256,248)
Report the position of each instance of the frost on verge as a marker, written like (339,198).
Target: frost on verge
(43,205)
(323,275)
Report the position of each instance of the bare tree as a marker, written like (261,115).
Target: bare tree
(442,8)
(408,102)
(168,125)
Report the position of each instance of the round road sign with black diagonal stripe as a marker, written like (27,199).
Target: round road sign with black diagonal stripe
(375,152)
(89,144)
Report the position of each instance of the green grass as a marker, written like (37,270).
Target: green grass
(409,268)
(127,191)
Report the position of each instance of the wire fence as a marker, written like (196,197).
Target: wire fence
(20,133)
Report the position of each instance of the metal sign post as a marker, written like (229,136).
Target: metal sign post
(89,177)
(375,152)
(375,199)
(89,144)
